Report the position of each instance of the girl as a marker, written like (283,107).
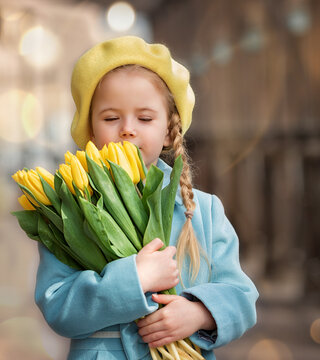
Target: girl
(126,89)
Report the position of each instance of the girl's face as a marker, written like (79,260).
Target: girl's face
(128,106)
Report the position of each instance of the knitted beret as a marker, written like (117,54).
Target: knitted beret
(108,55)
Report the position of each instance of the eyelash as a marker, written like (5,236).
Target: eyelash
(111,118)
(146,119)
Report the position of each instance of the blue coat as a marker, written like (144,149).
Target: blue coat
(78,304)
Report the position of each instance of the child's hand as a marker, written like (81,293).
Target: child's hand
(157,270)
(179,319)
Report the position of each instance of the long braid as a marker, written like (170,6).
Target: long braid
(187,242)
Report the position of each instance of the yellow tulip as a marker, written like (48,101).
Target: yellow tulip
(104,155)
(117,155)
(25,203)
(67,157)
(81,155)
(112,153)
(125,163)
(93,153)
(48,177)
(129,151)
(79,175)
(33,183)
(132,150)
(18,176)
(65,171)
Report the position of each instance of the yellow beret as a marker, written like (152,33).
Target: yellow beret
(108,55)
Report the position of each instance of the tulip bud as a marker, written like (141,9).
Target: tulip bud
(25,203)
(112,153)
(93,153)
(67,157)
(18,177)
(132,160)
(65,171)
(117,155)
(132,171)
(104,155)
(48,177)
(33,183)
(78,173)
(81,155)
(132,149)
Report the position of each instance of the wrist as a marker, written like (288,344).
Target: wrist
(206,320)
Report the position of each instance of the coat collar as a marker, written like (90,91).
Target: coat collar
(166,179)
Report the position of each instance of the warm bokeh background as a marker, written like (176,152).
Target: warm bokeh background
(255,143)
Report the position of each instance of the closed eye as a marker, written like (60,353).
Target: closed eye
(145,118)
(111,118)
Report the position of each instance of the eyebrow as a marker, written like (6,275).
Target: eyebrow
(139,109)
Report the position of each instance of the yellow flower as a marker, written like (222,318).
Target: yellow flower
(104,155)
(93,153)
(65,171)
(18,177)
(33,183)
(117,155)
(81,155)
(79,175)
(67,157)
(48,177)
(133,156)
(25,203)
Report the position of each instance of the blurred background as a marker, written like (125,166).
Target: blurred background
(254,140)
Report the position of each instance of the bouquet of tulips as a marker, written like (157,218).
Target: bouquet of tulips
(98,207)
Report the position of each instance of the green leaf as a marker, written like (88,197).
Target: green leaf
(60,240)
(51,194)
(130,197)
(168,196)
(48,239)
(100,202)
(28,221)
(45,210)
(57,182)
(112,201)
(154,178)
(105,248)
(72,219)
(109,235)
(154,228)
(145,170)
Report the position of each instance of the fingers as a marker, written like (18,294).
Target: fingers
(170,250)
(164,299)
(153,246)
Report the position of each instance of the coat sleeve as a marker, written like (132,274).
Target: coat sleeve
(230,295)
(75,303)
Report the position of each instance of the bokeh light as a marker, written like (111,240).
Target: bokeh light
(21,116)
(8,14)
(121,16)
(267,349)
(222,52)
(315,331)
(299,21)
(40,47)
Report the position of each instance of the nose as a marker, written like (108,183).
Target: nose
(127,130)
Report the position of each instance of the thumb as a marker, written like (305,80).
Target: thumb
(163,298)
(153,246)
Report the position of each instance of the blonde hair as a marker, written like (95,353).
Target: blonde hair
(187,243)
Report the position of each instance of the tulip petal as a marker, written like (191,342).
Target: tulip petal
(25,203)
(46,175)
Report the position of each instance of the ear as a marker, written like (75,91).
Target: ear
(167,140)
